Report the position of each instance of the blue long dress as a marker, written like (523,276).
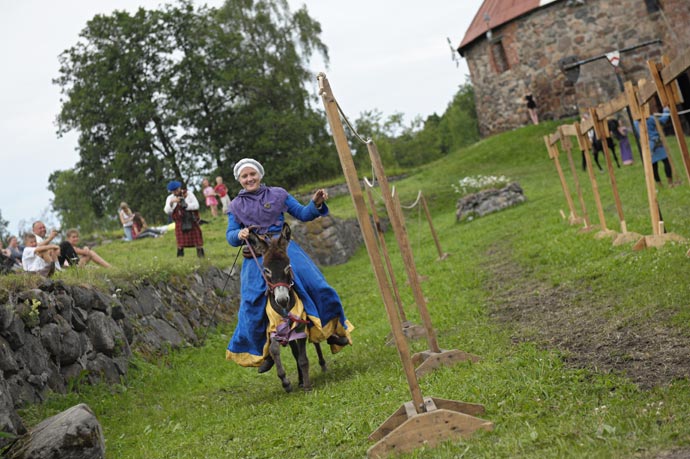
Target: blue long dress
(249,344)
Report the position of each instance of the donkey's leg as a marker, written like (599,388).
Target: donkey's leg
(303,363)
(274,349)
(295,353)
(319,353)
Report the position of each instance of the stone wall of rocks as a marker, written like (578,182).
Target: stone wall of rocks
(58,335)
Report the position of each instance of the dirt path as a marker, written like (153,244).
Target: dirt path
(581,326)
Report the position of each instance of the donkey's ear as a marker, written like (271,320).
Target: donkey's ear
(286,232)
(256,242)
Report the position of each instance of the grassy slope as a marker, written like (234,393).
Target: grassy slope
(194,404)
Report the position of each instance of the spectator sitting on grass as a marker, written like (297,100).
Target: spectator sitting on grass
(74,255)
(39,259)
(15,250)
(38,228)
(140,229)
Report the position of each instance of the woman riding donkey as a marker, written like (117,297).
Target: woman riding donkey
(261,209)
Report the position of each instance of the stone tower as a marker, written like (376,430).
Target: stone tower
(519,47)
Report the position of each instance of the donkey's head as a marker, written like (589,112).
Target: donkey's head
(277,269)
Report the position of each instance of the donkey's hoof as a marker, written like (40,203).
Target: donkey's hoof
(266,365)
(287,387)
(338,340)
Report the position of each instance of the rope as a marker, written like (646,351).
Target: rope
(349,125)
(682,112)
(411,206)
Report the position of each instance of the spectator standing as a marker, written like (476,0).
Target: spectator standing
(532,109)
(621,135)
(126,218)
(210,195)
(656,146)
(222,192)
(183,208)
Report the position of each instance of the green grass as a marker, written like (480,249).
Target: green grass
(194,404)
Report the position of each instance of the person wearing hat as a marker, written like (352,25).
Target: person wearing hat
(183,208)
(262,209)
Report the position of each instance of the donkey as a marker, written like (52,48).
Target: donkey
(281,298)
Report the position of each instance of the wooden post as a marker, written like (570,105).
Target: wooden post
(424,421)
(664,142)
(350,173)
(671,86)
(601,131)
(441,254)
(640,116)
(590,171)
(564,131)
(384,251)
(410,330)
(553,154)
(395,214)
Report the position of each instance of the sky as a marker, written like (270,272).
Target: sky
(388,56)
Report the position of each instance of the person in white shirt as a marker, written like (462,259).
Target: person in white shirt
(183,208)
(40,231)
(39,259)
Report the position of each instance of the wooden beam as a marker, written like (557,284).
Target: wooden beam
(658,84)
(613,106)
(676,67)
(645,91)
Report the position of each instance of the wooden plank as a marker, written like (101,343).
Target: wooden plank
(672,88)
(554,138)
(658,84)
(613,106)
(676,67)
(646,90)
(568,129)
(586,125)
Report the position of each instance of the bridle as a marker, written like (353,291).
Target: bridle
(271,286)
(284,330)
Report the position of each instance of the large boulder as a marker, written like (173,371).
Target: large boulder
(487,201)
(73,434)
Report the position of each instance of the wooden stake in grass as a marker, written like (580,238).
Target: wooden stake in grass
(424,420)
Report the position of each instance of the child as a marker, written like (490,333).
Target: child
(72,254)
(39,259)
(210,195)
(222,192)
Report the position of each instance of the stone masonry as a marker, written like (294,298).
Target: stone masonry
(535,43)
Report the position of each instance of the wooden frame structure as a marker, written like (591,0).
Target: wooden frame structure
(664,85)
(586,146)
(423,420)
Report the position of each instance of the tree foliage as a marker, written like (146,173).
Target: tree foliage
(3,228)
(182,92)
(422,141)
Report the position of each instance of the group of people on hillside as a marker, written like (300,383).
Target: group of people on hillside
(39,254)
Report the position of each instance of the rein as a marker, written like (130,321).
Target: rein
(284,330)
(270,286)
